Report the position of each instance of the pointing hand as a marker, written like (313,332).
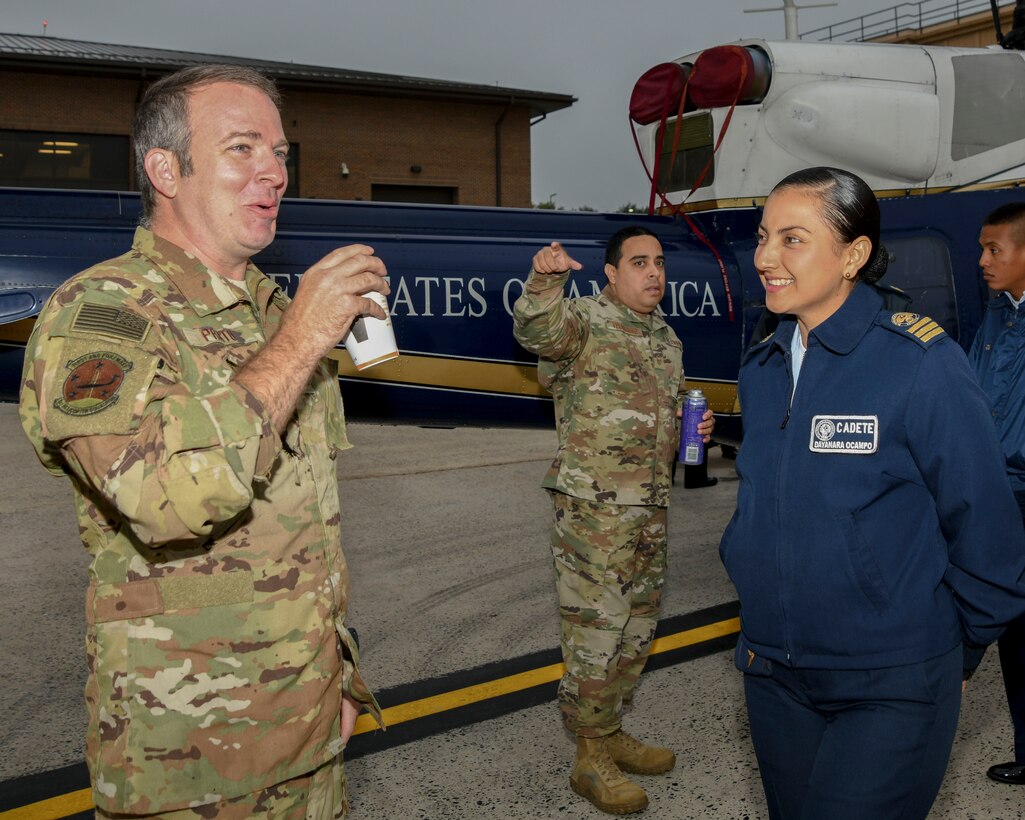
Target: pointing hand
(554,259)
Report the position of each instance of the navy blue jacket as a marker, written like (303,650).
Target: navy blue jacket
(874,524)
(998,359)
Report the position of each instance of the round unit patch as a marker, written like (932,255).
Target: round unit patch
(93,383)
(905,319)
(825,430)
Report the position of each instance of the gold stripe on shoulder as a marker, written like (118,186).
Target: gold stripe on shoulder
(921,328)
(925,321)
(921,331)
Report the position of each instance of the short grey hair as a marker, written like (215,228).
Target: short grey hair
(162,119)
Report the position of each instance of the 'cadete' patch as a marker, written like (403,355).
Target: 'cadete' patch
(93,383)
(847,435)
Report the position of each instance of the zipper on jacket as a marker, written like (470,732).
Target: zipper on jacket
(780,489)
(793,386)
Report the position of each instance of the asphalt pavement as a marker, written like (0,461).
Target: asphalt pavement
(446,534)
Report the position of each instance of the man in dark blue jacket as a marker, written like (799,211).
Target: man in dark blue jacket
(998,359)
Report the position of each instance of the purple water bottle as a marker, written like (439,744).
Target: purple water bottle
(692,443)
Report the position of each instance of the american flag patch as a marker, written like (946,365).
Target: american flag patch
(111,321)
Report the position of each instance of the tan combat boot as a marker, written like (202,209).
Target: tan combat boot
(596,777)
(631,755)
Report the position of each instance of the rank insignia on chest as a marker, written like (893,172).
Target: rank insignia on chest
(844,435)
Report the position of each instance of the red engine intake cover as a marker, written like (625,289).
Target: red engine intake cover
(718,71)
(656,92)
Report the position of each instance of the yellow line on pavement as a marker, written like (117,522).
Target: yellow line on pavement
(61,806)
(699,634)
(525,680)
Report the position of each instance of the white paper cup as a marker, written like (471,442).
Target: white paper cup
(370,340)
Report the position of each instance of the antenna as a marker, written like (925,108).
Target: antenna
(789,9)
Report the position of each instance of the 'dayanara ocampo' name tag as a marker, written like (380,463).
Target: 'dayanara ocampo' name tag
(850,435)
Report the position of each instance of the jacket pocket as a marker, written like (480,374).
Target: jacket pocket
(749,663)
(863,564)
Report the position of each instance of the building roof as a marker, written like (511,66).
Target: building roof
(26,51)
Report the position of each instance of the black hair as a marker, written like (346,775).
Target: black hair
(1010,213)
(614,247)
(849,207)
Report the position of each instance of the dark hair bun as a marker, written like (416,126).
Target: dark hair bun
(876,267)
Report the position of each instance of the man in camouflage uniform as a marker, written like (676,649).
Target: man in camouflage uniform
(614,368)
(189,403)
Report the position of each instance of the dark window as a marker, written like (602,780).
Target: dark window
(423,194)
(293,170)
(44,159)
(920,266)
(693,151)
(989,103)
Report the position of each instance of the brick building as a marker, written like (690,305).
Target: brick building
(67,108)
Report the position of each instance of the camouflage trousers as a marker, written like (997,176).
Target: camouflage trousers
(610,563)
(319,795)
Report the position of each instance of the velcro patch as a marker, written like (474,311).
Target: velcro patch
(633,331)
(211,337)
(93,383)
(95,390)
(108,320)
(846,435)
(155,596)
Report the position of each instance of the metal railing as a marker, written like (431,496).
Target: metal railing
(901,17)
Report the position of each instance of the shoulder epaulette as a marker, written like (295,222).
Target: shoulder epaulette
(921,329)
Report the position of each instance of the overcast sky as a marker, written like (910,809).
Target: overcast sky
(592,49)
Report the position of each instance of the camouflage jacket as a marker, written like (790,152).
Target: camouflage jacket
(217,590)
(617,379)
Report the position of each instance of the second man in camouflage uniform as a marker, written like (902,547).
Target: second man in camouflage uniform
(614,368)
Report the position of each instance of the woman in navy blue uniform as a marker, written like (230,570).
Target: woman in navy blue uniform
(876,548)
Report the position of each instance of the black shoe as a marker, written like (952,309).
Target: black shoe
(1012,772)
